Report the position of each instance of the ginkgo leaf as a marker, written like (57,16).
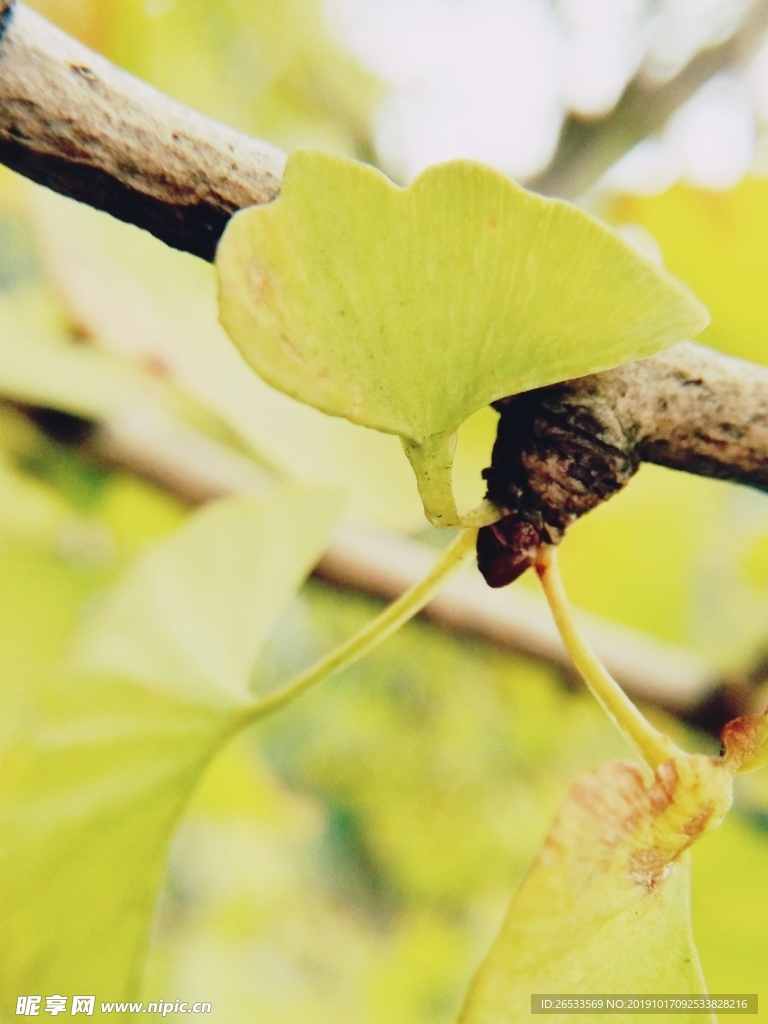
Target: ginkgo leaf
(407,310)
(605,908)
(93,787)
(158,627)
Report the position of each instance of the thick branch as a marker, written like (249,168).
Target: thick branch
(72,121)
(562,450)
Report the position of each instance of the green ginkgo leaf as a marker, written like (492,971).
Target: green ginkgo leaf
(605,908)
(407,310)
(92,789)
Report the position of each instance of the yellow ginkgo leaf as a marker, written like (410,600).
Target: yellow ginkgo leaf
(407,310)
(605,908)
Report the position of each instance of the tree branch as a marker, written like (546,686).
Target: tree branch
(72,121)
(562,450)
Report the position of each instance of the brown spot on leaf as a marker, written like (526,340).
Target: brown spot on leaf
(662,792)
(651,865)
(258,281)
(291,350)
(741,738)
(596,818)
(696,825)
(648,868)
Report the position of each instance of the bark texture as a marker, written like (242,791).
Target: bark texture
(562,450)
(71,120)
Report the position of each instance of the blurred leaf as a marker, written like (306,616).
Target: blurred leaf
(717,242)
(40,365)
(94,786)
(606,905)
(272,69)
(138,514)
(54,555)
(192,616)
(39,591)
(407,310)
(87,20)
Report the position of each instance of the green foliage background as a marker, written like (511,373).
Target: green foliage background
(351,859)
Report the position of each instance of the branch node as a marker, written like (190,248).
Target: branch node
(558,453)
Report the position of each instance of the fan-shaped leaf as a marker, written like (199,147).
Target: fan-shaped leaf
(605,908)
(92,790)
(409,309)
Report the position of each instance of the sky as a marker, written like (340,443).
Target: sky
(494,79)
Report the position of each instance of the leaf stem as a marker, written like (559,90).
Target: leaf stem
(372,634)
(655,747)
(432,462)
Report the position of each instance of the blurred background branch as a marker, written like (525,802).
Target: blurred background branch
(383,565)
(588,147)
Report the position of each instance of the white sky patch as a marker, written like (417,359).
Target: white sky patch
(709,142)
(713,135)
(605,44)
(757,78)
(470,78)
(685,26)
(648,169)
(492,80)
